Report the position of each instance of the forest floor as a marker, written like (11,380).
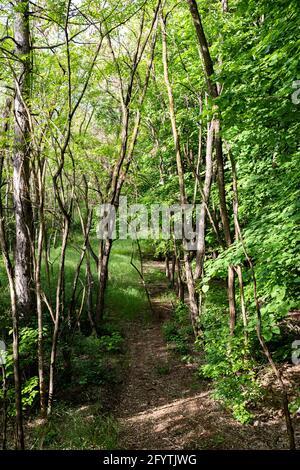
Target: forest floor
(145,396)
(163,404)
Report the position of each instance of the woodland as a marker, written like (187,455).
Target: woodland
(109,343)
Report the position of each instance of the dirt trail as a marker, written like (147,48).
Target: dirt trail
(166,407)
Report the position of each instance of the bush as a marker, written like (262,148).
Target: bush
(178,330)
(228,362)
(27,347)
(80,429)
(111,343)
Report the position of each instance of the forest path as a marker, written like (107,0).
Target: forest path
(162,405)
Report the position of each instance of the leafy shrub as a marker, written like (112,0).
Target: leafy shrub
(170,330)
(91,371)
(234,379)
(181,314)
(91,345)
(295,405)
(228,362)
(178,330)
(111,343)
(27,348)
(83,428)
(90,358)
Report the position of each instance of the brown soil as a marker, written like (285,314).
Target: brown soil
(163,405)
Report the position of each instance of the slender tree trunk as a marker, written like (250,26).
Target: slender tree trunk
(225,6)
(205,197)
(19,437)
(58,309)
(180,283)
(167,267)
(231,299)
(214,93)
(102,279)
(19,440)
(243,303)
(89,298)
(21,165)
(173,267)
(38,264)
(238,268)
(199,156)
(221,183)
(193,307)
(4,410)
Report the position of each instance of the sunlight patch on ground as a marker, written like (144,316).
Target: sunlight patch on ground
(188,405)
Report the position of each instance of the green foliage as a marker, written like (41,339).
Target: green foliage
(90,358)
(295,405)
(111,343)
(92,372)
(27,348)
(178,331)
(170,330)
(29,392)
(228,362)
(125,294)
(83,428)
(255,49)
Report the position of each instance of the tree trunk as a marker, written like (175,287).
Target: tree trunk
(180,284)
(14,311)
(102,279)
(224,6)
(21,165)
(236,231)
(231,299)
(173,267)
(38,265)
(205,197)
(193,307)
(167,267)
(58,310)
(214,93)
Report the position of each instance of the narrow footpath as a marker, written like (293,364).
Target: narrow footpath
(163,405)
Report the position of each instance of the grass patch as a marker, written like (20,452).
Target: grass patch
(84,428)
(125,296)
